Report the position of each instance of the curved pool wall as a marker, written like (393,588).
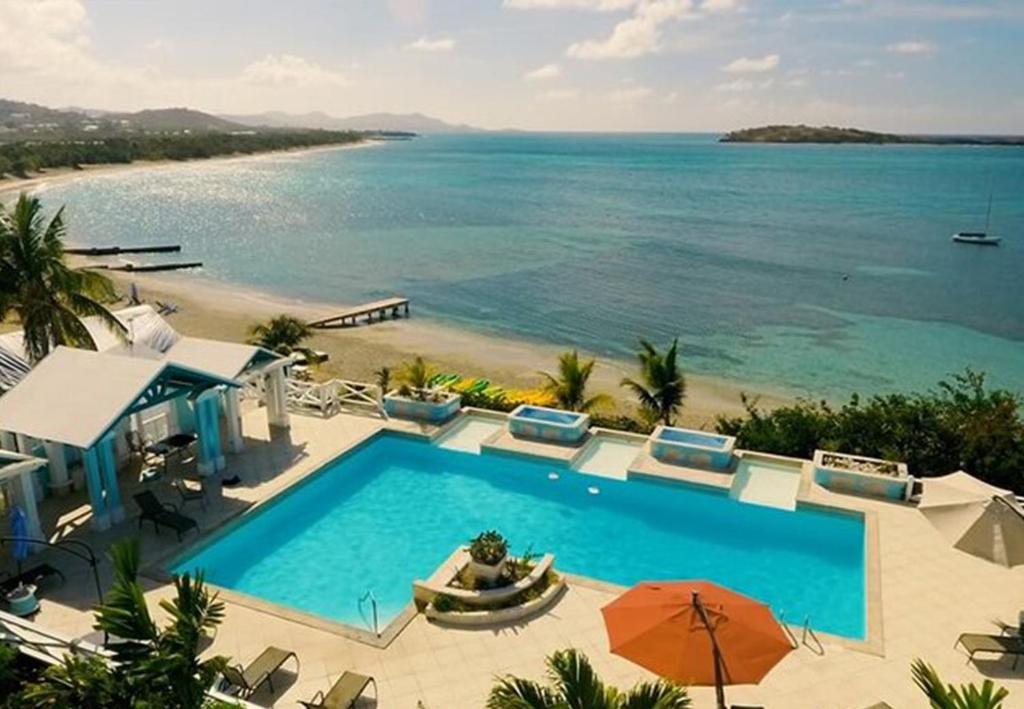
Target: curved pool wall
(394,509)
(684,446)
(544,424)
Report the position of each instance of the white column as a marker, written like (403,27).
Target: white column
(60,483)
(278,384)
(234,419)
(27,492)
(7,441)
(25,448)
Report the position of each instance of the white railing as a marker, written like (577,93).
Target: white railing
(254,389)
(330,397)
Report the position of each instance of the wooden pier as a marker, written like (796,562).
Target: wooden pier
(118,250)
(149,267)
(351,316)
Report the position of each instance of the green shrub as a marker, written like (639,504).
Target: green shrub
(488,548)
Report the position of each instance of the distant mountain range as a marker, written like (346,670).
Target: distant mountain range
(20,117)
(405,122)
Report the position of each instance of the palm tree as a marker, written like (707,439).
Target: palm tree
(284,335)
(415,377)
(968,696)
(575,684)
(569,386)
(48,296)
(662,387)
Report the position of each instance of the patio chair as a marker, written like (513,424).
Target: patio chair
(248,679)
(33,577)
(343,695)
(162,514)
(995,644)
(189,494)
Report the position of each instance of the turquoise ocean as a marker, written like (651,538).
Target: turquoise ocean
(817,270)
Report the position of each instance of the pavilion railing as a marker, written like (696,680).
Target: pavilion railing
(330,397)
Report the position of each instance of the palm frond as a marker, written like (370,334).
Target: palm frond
(515,693)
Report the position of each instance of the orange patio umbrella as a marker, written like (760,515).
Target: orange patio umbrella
(696,633)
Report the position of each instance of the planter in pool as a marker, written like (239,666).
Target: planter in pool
(857,475)
(428,411)
(682,446)
(543,424)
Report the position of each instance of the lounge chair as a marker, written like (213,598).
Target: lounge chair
(996,644)
(343,695)
(189,494)
(33,577)
(262,669)
(162,514)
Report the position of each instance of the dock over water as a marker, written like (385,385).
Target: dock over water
(380,308)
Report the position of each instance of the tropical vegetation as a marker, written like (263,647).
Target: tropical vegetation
(415,377)
(49,297)
(488,547)
(284,334)
(963,424)
(574,683)
(153,667)
(569,385)
(23,157)
(662,386)
(948,696)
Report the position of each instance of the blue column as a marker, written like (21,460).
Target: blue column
(211,457)
(108,469)
(100,517)
(186,417)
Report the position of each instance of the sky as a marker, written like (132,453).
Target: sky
(597,65)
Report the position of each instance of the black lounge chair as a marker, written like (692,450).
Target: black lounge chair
(33,577)
(162,514)
(996,644)
(262,669)
(344,694)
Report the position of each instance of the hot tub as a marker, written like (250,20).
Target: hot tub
(545,424)
(682,446)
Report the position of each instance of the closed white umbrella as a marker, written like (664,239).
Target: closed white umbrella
(975,517)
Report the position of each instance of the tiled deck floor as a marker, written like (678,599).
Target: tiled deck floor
(930,593)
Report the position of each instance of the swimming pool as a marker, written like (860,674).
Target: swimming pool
(393,510)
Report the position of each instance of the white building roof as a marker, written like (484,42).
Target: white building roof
(225,359)
(75,396)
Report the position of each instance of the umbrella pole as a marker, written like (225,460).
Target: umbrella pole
(715,652)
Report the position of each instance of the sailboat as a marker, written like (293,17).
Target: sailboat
(981,238)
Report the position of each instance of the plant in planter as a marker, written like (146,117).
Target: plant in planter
(416,375)
(487,553)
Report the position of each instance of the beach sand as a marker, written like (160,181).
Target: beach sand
(216,310)
(221,311)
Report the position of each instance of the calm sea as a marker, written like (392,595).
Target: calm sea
(813,269)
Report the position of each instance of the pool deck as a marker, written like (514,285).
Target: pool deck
(928,594)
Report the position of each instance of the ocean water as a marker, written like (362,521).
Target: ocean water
(393,511)
(811,269)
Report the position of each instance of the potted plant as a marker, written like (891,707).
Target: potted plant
(416,399)
(487,554)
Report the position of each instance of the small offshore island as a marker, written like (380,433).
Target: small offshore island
(833,134)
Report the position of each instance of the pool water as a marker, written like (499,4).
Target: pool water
(548,416)
(395,509)
(692,437)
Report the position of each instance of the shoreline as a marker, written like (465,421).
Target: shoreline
(218,310)
(40,182)
(221,310)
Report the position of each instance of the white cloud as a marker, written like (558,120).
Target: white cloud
(752,65)
(278,69)
(717,7)
(548,71)
(559,95)
(425,44)
(158,45)
(598,5)
(630,94)
(636,36)
(912,47)
(741,85)
(895,75)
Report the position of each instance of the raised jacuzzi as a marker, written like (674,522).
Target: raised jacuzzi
(683,446)
(544,424)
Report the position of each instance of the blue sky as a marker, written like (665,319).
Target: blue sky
(904,65)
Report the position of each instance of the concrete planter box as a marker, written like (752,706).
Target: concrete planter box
(488,572)
(476,619)
(858,475)
(698,449)
(435,412)
(543,424)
